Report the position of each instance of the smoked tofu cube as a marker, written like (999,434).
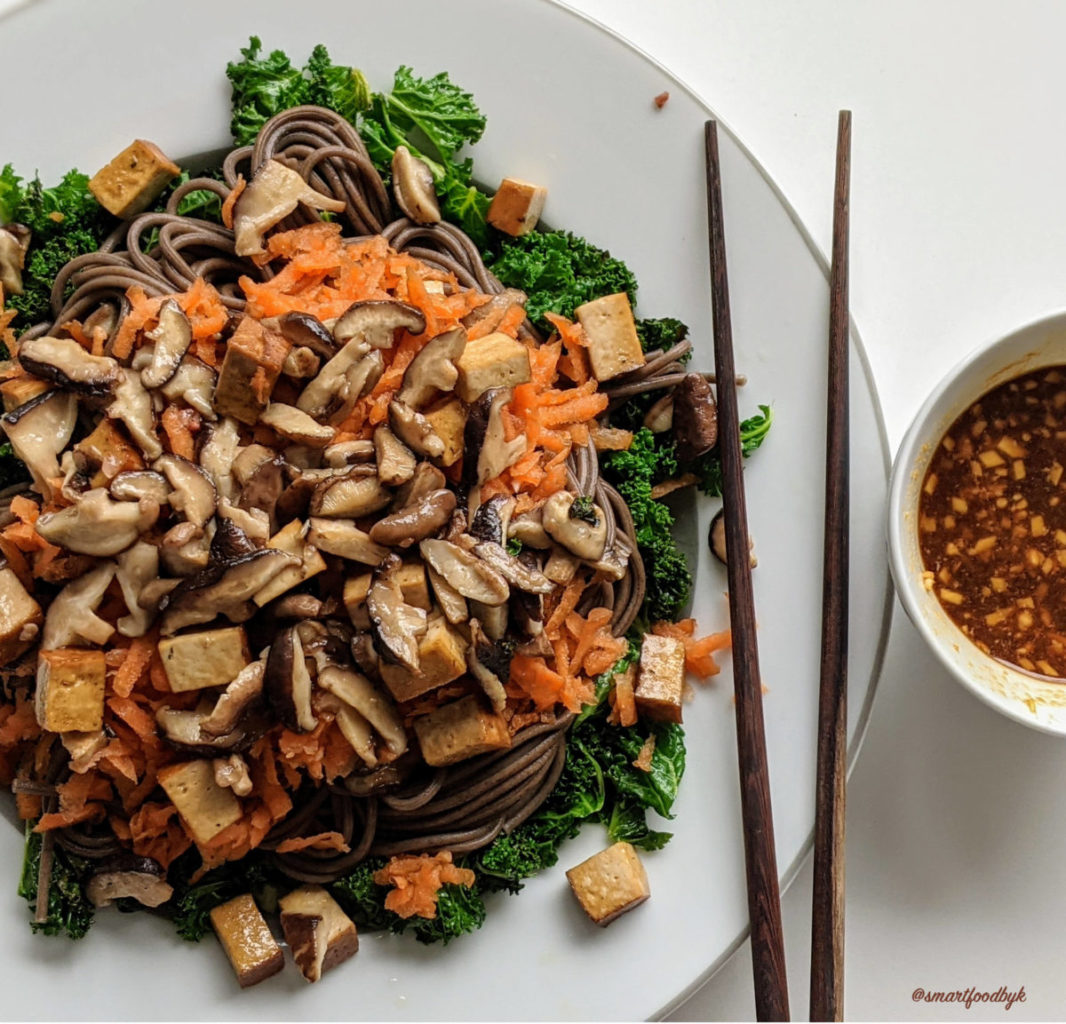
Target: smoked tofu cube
(109,452)
(614,347)
(20,618)
(250,369)
(204,806)
(460,730)
(245,936)
(517,206)
(413,585)
(661,681)
(131,182)
(494,361)
(70,690)
(291,540)
(20,390)
(448,419)
(318,932)
(441,658)
(195,661)
(609,883)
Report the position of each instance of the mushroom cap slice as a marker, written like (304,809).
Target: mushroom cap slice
(38,431)
(97,524)
(194,383)
(129,877)
(372,704)
(695,417)
(65,363)
(451,602)
(492,519)
(350,496)
(396,626)
(516,572)
(193,493)
(415,430)
(183,730)
(417,521)
(396,462)
(140,485)
(413,187)
(580,537)
(484,434)
(72,618)
(287,681)
(433,369)
(375,321)
(137,566)
(343,538)
(467,573)
(296,425)
(132,404)
(489,662)
(172,337)
(237,697)
(427,478)
(307,331)
(273,193)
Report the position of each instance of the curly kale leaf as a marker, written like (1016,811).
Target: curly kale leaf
(342,89)
(192,903)
(662,333)
(708,467)
(559,271)
(262,87)
(69,909)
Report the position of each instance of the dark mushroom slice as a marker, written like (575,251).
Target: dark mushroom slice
(137,567)
(396,462)
(14,243)
(185,549)
(695,419)
(512,569)
(183,730)
(489,662)
(287,682)
(490,313)
(301,364)
(239,695)
(194,383)
(307,331)
(296,606)
(273,193)
(471,576)
(351,496)
(296,425)
(98,525)
(193,493)
(132,404)
(433,370)
(264,486)
(172,337)
(140,485)
(381,780)
(484,435)
(660,417)
(492,519)
(413,187)
(416,522)
(365,654)
(348,375)
(527,609)
(584,534)
(395,625)
(230,542)
(128,877)
(494,618)
(376,321)
(716,539)
(427,478)
(415,430)
(65,363)
(222,589)
(38,431)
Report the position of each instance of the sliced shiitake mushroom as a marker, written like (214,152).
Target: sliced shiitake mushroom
(65,363)
(239,695)
(350,496)
(491,521)
(126,876)
(307,331)
(352,372)
(489,662)
(528,529)
(376,322)
(193,493)
(194,383)
(183,730)
(348,453)
(230,542)
(185,549)
(427,478)
(451,602)
(413,187)
(14,244)
(98,525)
(343,538)
(695,419)
(415,430)
(470,575)
(132,404)
(576,533)
(433,370)
(301,364)
(396,462)
(137,567)
(512,569)
(296,425)
(38,431)
(484,435)
(372,704)
(72,618)
(172,337)
(395,625)
(421,519)
(717,541)
(140,485)
(287,682)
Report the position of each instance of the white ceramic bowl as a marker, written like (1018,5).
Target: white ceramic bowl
(1025,698)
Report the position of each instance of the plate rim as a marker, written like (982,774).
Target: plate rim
(858,348)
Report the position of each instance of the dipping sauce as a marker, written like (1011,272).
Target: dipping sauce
(992,522)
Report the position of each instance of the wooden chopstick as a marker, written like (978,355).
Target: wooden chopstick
(764,898)
(827,914)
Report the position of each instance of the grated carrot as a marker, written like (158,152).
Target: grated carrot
(417,880)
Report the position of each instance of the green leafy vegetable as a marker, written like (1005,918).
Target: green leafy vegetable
(583,508)
(335,86)
(69,910)
(192,903)
(262,87)
(662,333)
(559,271)
(514,546)
(12,469)
(708,467)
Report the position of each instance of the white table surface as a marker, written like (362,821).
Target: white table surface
(956,816)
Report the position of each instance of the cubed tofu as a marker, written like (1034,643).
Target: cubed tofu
(561,566)
(291,539)
(441,658)
(661,681)
(20,618)
(109,452)
(250,369)
(204,806)
(413,585)
(131,182)
(70,690)
(318,932)
(613,345)
(494,361)
(246,937)
(459,730)
(517,206)
(609,883)
(213,657)
(19,390)
(448,419)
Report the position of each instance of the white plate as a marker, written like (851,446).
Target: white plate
(568,105)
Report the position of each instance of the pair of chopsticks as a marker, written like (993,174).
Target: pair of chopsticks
(764,898)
